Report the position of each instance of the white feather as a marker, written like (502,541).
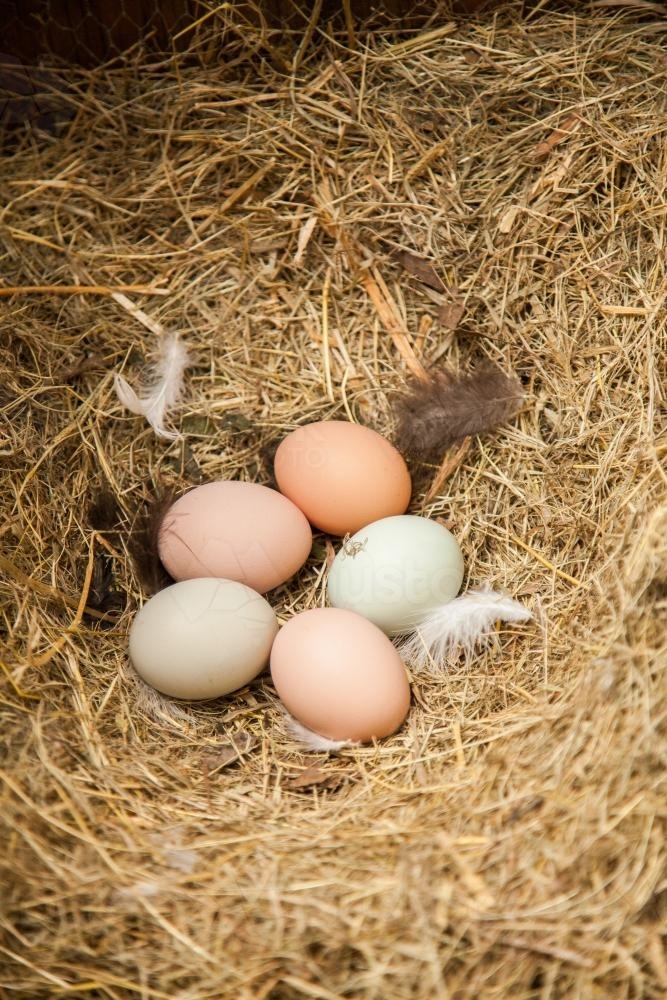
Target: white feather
(163,388)
(314,741)
(459,626)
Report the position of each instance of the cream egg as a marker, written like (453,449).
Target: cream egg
(202,638)
(395,570)
(339,675)
(342,475)
(237,531)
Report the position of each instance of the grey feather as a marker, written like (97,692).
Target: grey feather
(435,414)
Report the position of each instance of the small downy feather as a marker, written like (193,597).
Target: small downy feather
(163,388)
(435,414)
(462,625)
(314,741)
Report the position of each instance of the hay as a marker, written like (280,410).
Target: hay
(509,840)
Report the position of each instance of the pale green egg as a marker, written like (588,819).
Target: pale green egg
(396,570)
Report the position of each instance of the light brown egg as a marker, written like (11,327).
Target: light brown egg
(235,531)
(339,675)
(342,475)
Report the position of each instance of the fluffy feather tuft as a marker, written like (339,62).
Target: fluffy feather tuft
(435,414)
(462,625)
(314,741)
(163,389)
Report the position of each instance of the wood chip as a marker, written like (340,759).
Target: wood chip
(318,775)
(420,268)
(567,127)
(450,314)
(229,751)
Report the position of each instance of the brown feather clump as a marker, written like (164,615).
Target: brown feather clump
(446,408)
(142,542)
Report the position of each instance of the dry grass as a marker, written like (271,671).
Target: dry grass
(509,840)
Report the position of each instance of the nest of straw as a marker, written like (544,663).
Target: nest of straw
(277,200)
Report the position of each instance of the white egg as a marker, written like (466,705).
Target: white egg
(202,638)
(396,570)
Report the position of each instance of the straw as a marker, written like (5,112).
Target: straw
(509,840)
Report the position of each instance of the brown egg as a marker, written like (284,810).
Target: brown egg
(234,531)
(342,475)
(339,675)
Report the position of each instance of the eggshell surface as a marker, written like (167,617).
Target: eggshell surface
(202,638)
(342,475)
(236,531)
(395,570)
(339,675)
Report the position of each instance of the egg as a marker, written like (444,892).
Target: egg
(395,570)
(202,638)
(236,531)
(342,475)
(339,675)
